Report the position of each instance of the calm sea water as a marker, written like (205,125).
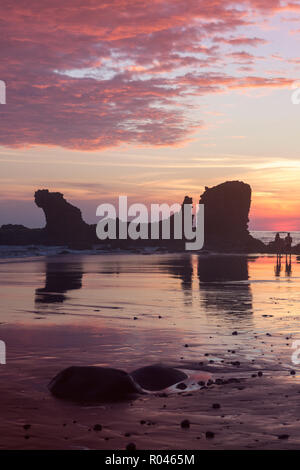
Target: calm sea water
(267,236)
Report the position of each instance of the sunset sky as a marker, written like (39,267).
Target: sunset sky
(151,99)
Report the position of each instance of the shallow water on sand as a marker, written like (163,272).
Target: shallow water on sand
(126,310)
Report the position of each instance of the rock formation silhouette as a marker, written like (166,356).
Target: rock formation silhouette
(64,223)
(226,217)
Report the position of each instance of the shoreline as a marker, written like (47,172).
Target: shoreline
(143,252)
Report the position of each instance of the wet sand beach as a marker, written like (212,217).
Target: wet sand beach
(234,317)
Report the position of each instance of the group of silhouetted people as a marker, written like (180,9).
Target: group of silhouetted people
(283,245)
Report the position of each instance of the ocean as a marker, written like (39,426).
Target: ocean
(268,236)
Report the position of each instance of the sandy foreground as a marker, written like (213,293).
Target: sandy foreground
(254,413)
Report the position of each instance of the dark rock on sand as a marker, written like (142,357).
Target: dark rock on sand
(219,381)
(216,406)
(181,386)
(131,446)
(157,377)
(97,427)
(185,424)
(236,363)
(93,384)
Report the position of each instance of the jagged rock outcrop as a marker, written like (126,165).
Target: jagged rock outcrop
(226,211)
(64,223)
(226,224)
(174,243)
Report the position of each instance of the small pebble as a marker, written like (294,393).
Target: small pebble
(216,406)
(97,427)
(219,381)
(181,386)
(236,363)
(131,447)
(185,424)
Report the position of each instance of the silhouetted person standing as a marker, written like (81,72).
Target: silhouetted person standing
(288,245)
(278,244)
(288,242)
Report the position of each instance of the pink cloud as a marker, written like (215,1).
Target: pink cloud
(241,41)
(94,74)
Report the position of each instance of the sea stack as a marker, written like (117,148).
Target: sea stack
(64,223)
(226,212)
